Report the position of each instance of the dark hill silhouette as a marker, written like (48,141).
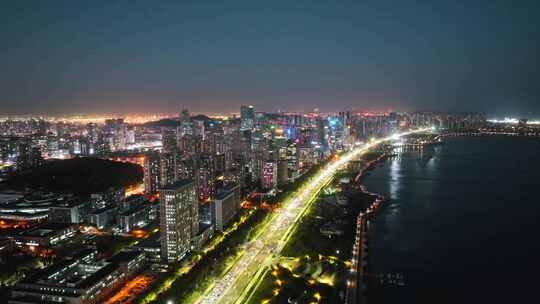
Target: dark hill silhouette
(81,176)
(171,122)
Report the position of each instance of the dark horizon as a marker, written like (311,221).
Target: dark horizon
(136,57)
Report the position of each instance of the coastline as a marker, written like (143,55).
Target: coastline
(488,133)
(357,284)
(417,234)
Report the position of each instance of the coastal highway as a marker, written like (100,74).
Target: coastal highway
(250,267)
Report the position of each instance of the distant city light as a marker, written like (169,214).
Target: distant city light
(514,121)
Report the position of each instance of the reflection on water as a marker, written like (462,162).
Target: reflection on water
(443,221)
(395,177)
(431,165)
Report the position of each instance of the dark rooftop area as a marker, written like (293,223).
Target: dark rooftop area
(178,184)
(46,228)
(124,256)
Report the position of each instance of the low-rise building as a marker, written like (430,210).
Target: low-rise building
(31,208)
(206,232)
(151,247)
(102,217)
(111,197)
(134,217)
(45,235)
(71,211)
(81,279)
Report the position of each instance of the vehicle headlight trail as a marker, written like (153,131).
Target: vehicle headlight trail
(262,252)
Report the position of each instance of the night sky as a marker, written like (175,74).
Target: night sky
(211,56)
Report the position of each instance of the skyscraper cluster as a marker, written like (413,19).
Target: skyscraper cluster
(200,168)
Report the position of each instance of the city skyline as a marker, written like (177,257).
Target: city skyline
(99,58)
(154,212)
(267,152)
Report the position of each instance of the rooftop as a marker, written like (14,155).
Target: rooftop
(225,191)
(45,229)
(47,272)
(152,241)
(134,209)
(69,203)
(178,184)
(125,256)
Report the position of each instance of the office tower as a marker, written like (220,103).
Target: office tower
(179,219)
(130,136)
(167,169)
(247,117)
(92,132)
(198,128)
(226,204)
(116,132)
(61,129)
(119,139)
(205,175)
(41,127)
(84,147)
(186,125)
(28,156)
(101,146)
(282,172)
(168,140)
(152,172)
(269,175)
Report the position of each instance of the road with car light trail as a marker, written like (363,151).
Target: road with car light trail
(250,267)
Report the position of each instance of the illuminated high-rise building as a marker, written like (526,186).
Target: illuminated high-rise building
(28,156)
(168,140)
(167,166)
(152,172)
(92,133)
(130,136)
(269,175)
(84,147)
(184,168)
(179,219)
(205,175)
(186,125)
(282,172)
(247,117)
(226,204)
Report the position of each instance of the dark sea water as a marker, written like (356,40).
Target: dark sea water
(461,222)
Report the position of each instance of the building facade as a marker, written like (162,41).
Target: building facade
(226,204)
(179,220)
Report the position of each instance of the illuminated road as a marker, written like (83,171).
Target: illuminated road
(249,268)
(131,290)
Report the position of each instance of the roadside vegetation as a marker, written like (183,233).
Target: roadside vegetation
(313,266)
